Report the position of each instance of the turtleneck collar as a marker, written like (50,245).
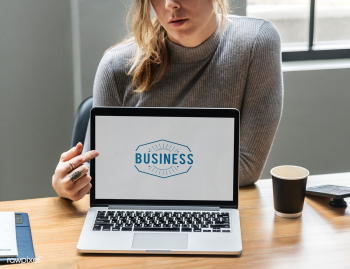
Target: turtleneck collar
(181,54)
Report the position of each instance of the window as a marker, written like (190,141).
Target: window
(309,29)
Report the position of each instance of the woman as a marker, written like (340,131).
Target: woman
(190,56)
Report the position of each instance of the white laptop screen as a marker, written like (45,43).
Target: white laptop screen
(164,158)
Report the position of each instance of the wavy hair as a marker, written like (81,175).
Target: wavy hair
(151,58)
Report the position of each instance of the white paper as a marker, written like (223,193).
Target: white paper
(8,241)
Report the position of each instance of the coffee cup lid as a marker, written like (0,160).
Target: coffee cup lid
(290,172)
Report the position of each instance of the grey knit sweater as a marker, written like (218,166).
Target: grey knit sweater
(240,68)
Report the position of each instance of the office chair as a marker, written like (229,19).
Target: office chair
(81,121)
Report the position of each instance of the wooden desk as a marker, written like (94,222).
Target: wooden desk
(318,239)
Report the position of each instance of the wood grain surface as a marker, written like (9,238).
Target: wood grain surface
(320,238)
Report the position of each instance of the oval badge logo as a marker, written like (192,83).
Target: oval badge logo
(163,158)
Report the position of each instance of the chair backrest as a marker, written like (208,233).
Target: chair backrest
(81,122)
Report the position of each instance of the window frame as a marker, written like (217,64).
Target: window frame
(311,53)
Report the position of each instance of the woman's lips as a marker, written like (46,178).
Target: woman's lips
(177,23)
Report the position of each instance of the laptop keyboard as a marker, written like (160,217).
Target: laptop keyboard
(162,221)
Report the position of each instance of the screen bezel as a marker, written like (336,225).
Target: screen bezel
(166,112)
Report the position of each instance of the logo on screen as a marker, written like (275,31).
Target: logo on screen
(163,158)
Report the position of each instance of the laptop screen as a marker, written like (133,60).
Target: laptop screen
(164,158)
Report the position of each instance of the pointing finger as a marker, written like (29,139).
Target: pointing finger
(73,152)
(79,160)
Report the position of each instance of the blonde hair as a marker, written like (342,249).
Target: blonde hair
(151,59)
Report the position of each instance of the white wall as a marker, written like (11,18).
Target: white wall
(36,104)
(315,125)
(102,25)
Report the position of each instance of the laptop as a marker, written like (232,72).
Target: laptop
(165,182)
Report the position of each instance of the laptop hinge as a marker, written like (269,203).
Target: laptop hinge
(189,208)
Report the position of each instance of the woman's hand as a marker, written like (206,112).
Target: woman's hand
(71,179)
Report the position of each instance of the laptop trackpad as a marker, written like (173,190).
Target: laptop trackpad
(159,241)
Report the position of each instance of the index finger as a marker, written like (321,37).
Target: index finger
(75,151)
(81,159)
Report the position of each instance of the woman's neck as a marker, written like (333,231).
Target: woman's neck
(182,54)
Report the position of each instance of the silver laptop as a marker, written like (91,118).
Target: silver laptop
(166,181)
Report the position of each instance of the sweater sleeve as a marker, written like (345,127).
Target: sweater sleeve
(262,103)
(104,93)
